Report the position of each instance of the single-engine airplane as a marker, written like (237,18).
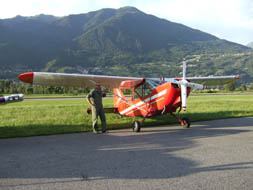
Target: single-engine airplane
(12,98)
(150,96)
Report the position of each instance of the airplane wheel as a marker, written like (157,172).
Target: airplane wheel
(136,126)
(187,123)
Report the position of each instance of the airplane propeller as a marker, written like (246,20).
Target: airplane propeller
(184,84)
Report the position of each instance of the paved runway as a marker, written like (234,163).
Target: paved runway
(209,155)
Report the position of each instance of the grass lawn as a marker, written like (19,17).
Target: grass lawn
(45,117)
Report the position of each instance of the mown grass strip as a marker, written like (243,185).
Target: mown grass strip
(30,118)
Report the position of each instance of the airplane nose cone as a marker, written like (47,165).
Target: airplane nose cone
(26,77)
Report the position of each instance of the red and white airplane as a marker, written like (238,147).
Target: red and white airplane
(150,96)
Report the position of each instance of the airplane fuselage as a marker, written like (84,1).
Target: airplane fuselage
(165,98)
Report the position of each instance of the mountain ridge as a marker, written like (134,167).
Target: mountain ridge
(108,41)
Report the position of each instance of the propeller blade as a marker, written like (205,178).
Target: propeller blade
(184,87)
(184,96)
(184,69)
(188,84)
(195,85)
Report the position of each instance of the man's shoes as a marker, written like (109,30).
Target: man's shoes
(104,131)
(95,131)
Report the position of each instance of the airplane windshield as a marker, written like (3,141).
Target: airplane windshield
(153,83)
(143,91)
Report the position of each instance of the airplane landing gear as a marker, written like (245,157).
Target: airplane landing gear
(136,126)
(185,122)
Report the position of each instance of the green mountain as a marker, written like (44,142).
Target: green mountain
(121,41)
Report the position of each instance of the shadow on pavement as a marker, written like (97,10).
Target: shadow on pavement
(151,154)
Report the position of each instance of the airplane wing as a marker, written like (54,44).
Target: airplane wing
(214,80)
(206,81)
(82,80)
(74,80)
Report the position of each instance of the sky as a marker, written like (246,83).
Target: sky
(231,20)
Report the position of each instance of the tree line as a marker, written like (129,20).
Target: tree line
(11,87)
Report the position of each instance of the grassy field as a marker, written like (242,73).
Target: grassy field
(44,117)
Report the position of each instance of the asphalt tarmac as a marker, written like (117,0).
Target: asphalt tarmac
(209,155)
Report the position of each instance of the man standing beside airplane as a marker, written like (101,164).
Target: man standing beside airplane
(94,98)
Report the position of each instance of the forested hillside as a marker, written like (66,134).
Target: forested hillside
(122,41)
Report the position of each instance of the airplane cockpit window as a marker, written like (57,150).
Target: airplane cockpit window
(143,90)
(146,89)
(153,83)
(175,85)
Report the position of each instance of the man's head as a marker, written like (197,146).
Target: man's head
(98,86)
